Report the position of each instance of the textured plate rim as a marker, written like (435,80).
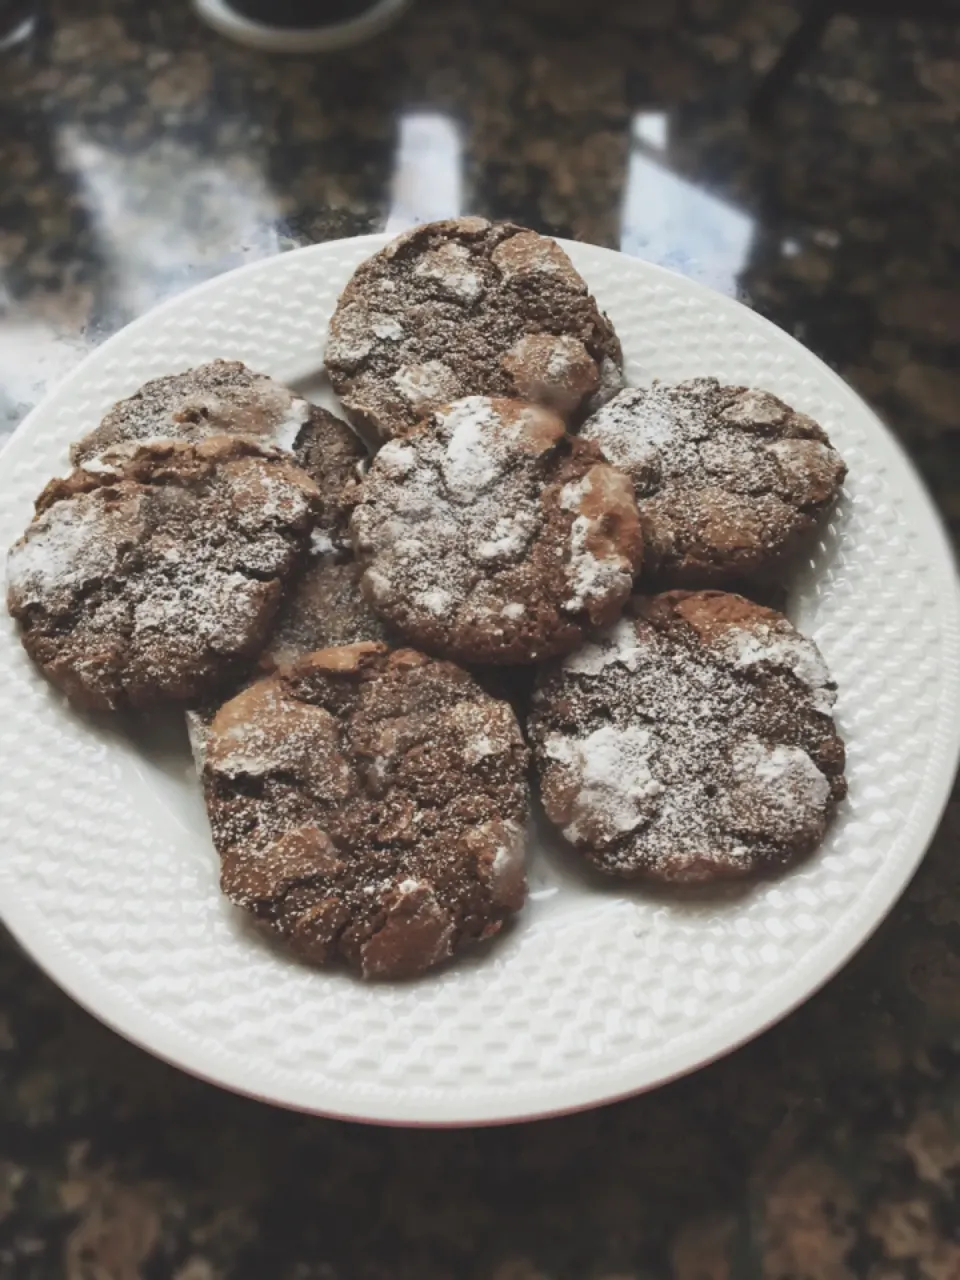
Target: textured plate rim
(417,1105)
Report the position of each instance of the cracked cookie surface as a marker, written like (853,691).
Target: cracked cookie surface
(730,482)
(490,535)
(692,741)
(157,577)
(467,307)
(222,397)
(369,805)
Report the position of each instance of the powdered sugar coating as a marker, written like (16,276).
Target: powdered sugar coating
(369,805)
(618,644)
(776,792)
(490,535)
(467,307)
(65,550)
(157,577)
(690,741)
(223,397)
(590,576)
(614,766)
(730,481)
(781,646)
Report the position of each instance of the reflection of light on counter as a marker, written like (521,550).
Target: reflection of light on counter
(169,217)
(650,127)
(427,177)
(18,33)
(669,221)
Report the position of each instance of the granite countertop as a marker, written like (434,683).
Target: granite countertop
(139,154)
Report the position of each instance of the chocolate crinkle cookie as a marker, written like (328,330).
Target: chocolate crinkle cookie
(693,741)
(157,577)
(467,307)
(223,397)
(730,482)
(370,805)
(490,535)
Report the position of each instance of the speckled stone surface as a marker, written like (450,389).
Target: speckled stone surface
(139,153)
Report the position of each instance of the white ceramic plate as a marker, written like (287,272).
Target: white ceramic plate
(109,879)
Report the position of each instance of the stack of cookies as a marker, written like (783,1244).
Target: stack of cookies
(354,615)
